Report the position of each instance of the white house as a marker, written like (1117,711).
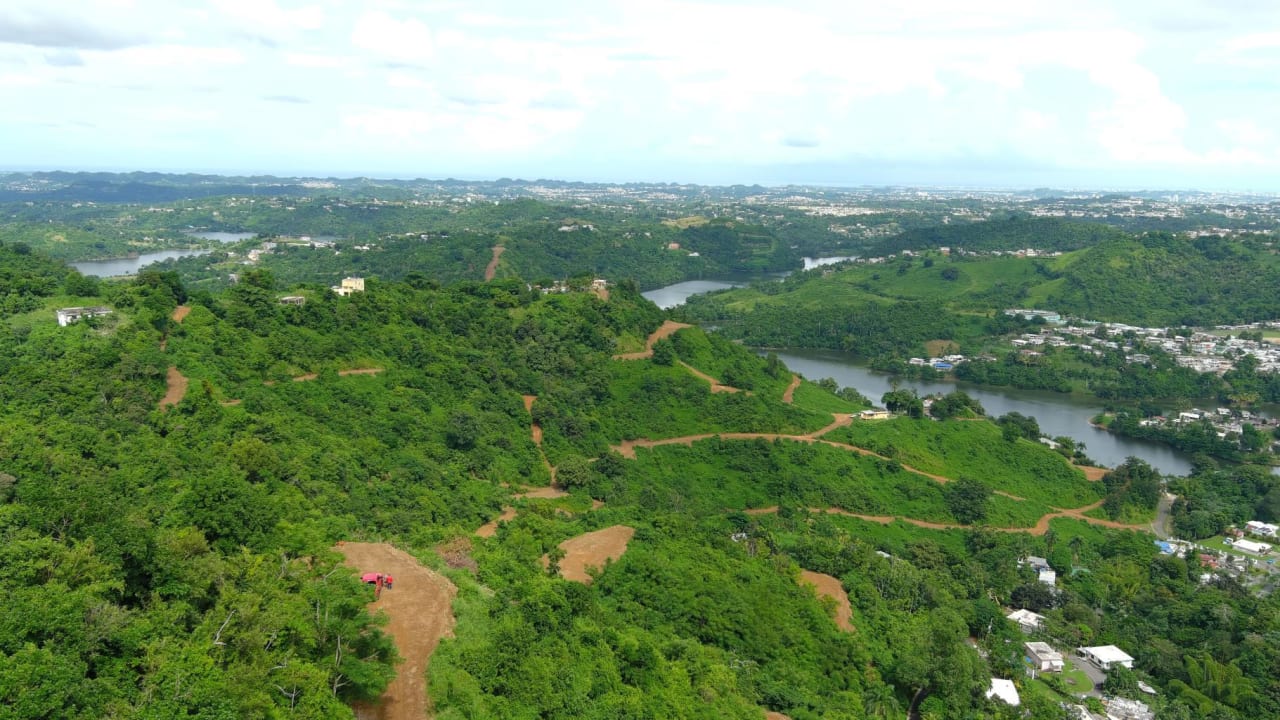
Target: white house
(1027,620)
(349,285)
(1255,527)
(1249,546)
(66,316)
(1044,658)
(1004,691)
(1105,656)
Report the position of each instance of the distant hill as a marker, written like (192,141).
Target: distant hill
(1015,232)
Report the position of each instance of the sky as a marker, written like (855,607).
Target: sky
(1175,94)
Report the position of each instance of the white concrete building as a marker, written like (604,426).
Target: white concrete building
(1106,656)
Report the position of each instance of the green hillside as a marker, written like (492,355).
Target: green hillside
(177,477)
(894,307)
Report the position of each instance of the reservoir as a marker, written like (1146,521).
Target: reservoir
(1057,413)
(673,295)
(130,266)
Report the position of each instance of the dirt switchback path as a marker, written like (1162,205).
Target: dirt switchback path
(492,268)
(669,328)
(828,586)
(420,607)
(1040,528)
(177,388)
(788,396)
(716,385)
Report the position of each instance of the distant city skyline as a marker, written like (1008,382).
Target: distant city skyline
(1172,95)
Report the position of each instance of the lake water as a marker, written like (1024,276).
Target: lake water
(1058,414)
(673,295)
(130,266)
(222,237)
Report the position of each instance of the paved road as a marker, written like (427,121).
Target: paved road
(1096,675)
(1162,526)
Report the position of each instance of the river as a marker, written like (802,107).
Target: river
(1057,413)
(130,266)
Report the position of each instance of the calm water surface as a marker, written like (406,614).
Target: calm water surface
(130,266)
(1057,414)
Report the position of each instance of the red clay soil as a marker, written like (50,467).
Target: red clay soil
(776,716)
(177,388)
(341,373)
(1092,474)
(543,493)
(420,609)
(716,387)
(789,395)
(492,268)
(180,313)
(669,328)
(592,550)
(828,586)
(1040,528)
(529,400)
(490,528)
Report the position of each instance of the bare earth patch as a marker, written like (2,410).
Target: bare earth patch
(492,268)
(420,609)
(1093,474)
(592,549)
(490,528)
(776,716)
(828,586)
(177,388)
(789,395)
(180,313)
(543,493)
(669,328)
(716,386)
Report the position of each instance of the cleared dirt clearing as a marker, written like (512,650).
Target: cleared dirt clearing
(177,388)
(492,268)
(420,609)
(592,550)
(828,586)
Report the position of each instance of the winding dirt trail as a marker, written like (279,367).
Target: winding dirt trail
(716,385)
(788,396)
(1040,528)
(668,328)
(492,268)
(490,528)
(420,608)
(176,388)
(591,549)
(828,586)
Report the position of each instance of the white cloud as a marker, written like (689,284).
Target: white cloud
(403,40)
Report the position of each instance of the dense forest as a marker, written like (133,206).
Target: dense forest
(173,485)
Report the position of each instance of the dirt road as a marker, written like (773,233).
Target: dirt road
(492,268)
(669,328)
(789,395)
(420,607)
